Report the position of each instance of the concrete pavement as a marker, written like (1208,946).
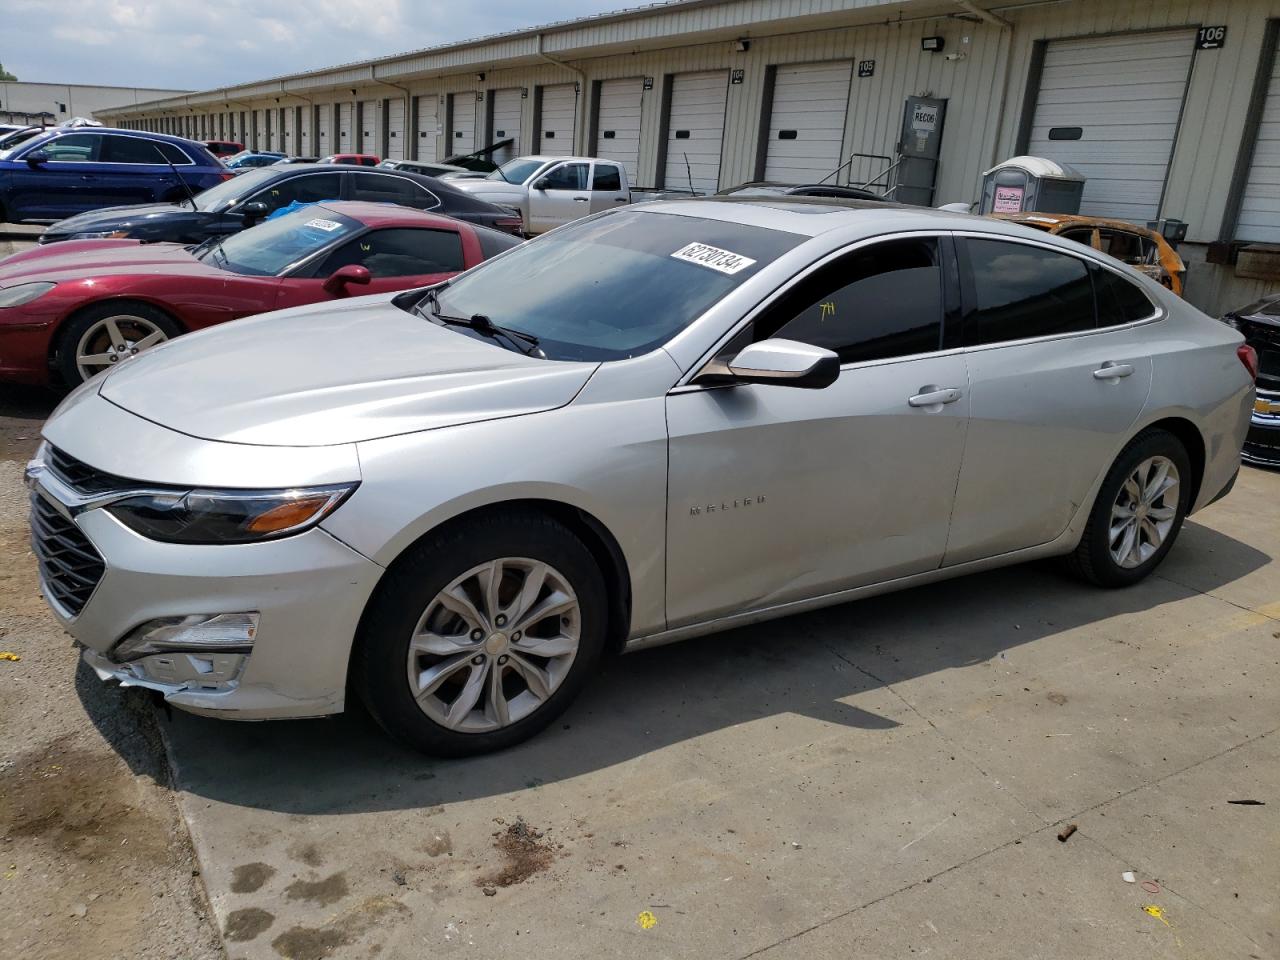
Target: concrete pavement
(880,779)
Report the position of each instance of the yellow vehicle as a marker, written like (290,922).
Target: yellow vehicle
(1137,246)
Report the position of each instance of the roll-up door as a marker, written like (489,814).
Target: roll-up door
(695,131)
(618,127)
(288,130)
(425,145)
(395,129)
(506,123)
(558,116)
(346,128)
(324,131)
(462,136)
(1259,219)
(1110,107)
(806,125)
(260,129)
(370,127)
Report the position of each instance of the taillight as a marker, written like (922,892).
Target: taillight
(227,176)
(1249,357)
(510,224)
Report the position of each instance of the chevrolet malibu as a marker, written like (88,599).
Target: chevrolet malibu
(653,423)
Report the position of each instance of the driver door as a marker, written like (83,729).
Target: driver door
(397,258)
(60,186)
(778,494)
(565,196)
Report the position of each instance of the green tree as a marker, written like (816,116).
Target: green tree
(5,74)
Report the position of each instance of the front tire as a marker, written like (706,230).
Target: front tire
(1138,512)
(480,636)
(106,335)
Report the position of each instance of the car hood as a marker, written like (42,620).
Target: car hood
(335,373)
(79,259)
(488,189)
(119,218)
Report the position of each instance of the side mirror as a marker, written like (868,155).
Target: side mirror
(542,183)
(351,273)
(786,363)
(253,212)
(36,158)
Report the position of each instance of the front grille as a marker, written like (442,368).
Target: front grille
(70,567)
(82,477)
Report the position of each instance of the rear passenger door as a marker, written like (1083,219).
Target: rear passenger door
(132,170)
(606,187)
(1058,373)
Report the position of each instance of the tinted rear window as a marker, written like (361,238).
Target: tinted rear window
(1119,301)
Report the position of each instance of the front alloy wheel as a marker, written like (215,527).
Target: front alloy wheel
(494,645)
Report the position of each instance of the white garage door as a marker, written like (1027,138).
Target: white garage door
(425,147)
(370,129)
(395,129)
(559,114)
(346,128)
(324,131)
(506,123)
(618,133)
(260,130)
(695,131)
(1109,107)
(288,130)
(462,138)
(806,128)
(1260,206)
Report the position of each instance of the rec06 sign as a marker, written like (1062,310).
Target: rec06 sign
(1211,38)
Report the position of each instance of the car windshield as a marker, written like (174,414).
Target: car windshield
(614,286)
(271,247)
(516,171)
(229,192)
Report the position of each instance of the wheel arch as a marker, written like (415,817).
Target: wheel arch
(1192,440)
(60,328)
(594,534)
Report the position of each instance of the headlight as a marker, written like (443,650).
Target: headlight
(228,516)
(101,235)
(16,296)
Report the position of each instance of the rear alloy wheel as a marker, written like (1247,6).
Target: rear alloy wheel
(1138,513)
(105,336)
(480,635)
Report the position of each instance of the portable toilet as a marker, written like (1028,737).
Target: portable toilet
(1022,184)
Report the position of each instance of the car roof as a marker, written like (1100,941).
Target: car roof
(1054,220)
(373,214)
(547,157)
(816,216)
(149,134)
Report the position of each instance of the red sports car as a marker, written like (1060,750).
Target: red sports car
(73,309)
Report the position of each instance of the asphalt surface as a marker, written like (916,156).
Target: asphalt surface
(880,779)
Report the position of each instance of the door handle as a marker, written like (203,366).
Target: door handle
(1113,371)
(934,396)
(579,199)
(619,199)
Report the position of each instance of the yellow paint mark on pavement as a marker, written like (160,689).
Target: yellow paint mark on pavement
(646,920)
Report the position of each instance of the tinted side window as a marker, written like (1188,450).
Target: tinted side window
(74,147)
(492,242)
(380,187)
(399,252)
(132,150)
(882,301)
(1119,301)
(607,177)
(173,153)
(1021,291)
(312,188)
(570,176)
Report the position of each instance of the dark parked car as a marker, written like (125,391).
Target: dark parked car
(245,200)
(1260,324)
(766,188)
(63,171)
(224,148)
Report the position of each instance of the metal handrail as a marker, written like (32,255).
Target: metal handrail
(854,156)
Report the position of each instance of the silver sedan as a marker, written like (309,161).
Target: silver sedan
(653,423)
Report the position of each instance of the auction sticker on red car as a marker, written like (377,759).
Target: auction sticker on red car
(705,255)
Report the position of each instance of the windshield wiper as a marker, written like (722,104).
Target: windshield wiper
(525,343)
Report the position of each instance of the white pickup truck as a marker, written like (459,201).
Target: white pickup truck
(549,191)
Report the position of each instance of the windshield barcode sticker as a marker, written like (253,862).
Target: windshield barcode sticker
(726,261)
(328,225)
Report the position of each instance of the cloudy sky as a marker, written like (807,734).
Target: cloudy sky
(197,45)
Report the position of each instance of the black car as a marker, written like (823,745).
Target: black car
(1260,324)
(245,200)
(767,188)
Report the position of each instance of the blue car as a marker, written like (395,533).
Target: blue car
(248,159)
(63,172)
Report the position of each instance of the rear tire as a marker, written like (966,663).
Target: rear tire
(1137,514)
(456,677)
(119,328)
